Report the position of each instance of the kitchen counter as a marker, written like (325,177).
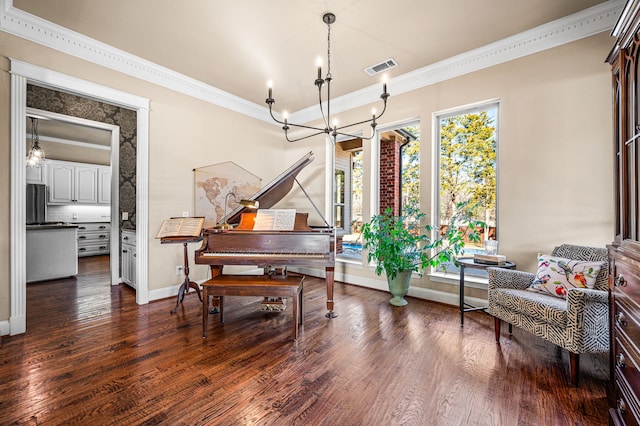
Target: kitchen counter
(52,251)
(50,225)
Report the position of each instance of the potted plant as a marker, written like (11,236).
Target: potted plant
(401,245)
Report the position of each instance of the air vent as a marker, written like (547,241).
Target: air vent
(382,66)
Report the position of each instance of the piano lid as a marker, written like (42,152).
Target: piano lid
(269,195)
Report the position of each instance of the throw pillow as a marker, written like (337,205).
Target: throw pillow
(557,275)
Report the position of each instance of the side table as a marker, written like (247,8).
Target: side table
(468,262)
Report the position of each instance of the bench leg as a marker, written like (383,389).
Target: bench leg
(295,302)
(205,312)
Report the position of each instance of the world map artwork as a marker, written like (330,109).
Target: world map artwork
(212,185)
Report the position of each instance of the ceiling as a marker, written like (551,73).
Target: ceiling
(237,46)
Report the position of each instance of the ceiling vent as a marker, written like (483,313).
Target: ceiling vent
(382,66)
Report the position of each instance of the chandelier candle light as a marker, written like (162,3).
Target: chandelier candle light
(333,129)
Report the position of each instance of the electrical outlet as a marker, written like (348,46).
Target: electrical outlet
(125,215)
(179,269)
(185,214)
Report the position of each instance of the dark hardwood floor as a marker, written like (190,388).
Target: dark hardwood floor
(91,356)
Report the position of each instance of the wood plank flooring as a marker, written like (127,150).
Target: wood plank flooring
(91,356)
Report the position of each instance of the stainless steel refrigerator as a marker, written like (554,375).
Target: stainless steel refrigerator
(36,203)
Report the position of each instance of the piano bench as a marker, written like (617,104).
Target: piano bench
(254,285)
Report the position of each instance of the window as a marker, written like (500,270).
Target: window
(347,201)
(399,174)
(338,201)
(467,167)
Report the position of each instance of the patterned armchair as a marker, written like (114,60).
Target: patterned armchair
(579,323)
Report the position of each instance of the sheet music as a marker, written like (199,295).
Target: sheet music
(275,220)
(181,227)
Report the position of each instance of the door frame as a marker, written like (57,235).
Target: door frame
(23,73)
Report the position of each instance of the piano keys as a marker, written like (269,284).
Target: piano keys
(303,246)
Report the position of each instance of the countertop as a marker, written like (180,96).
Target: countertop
(50,225)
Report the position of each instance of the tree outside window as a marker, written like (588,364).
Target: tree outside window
(467,166)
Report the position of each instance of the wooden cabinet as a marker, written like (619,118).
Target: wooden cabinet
(128,258)
(93,238)
(624,252)
(78,183)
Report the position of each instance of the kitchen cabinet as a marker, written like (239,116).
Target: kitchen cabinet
(93,238)
(78,183)
(104,185)
(128,258)
(37,175)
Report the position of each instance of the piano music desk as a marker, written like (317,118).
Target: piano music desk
(254,285)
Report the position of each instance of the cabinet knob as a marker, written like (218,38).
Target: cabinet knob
(620,361)
(82,227)
(619,281)
(620,319)
(103,248)
(82,237)
(82,249)
(102,236)
(125,238)
(102,227)
(621,406)
(124,251)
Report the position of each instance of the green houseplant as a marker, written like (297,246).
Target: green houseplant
(401,245)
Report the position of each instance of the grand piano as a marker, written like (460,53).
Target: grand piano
(273,250)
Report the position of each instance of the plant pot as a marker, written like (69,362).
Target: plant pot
(399,287)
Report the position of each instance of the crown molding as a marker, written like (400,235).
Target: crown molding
(588,22)
(574,27)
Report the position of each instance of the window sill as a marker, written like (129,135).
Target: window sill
(453,278)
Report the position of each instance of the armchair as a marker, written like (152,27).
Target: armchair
(579,323)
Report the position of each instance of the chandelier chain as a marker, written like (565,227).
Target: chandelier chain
(328,50)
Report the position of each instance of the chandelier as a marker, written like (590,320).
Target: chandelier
(36,154)
(331,127)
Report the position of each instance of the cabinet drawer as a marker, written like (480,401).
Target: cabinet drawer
(93,238)
(93,250)
(626,405)
(626,362)
(128,237)
(626,284)
(626,326)
(93,227)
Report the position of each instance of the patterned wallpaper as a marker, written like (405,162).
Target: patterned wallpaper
(76,106)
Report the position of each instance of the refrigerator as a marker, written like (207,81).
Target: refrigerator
(36,203)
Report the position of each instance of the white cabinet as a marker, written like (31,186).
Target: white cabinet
(86,184)
(78,183)
(128,258)
(104,185)
(37,175)
(93,238)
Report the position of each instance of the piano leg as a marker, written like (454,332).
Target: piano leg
(329,280)
(187,283)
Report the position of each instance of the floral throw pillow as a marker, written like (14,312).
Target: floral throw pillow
(557,275)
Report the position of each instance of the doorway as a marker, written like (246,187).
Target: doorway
(100,144)
(21,74)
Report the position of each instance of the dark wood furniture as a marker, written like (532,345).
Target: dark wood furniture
(187,283)
(624,252)
(302,246)
(254,285)
(468,262)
